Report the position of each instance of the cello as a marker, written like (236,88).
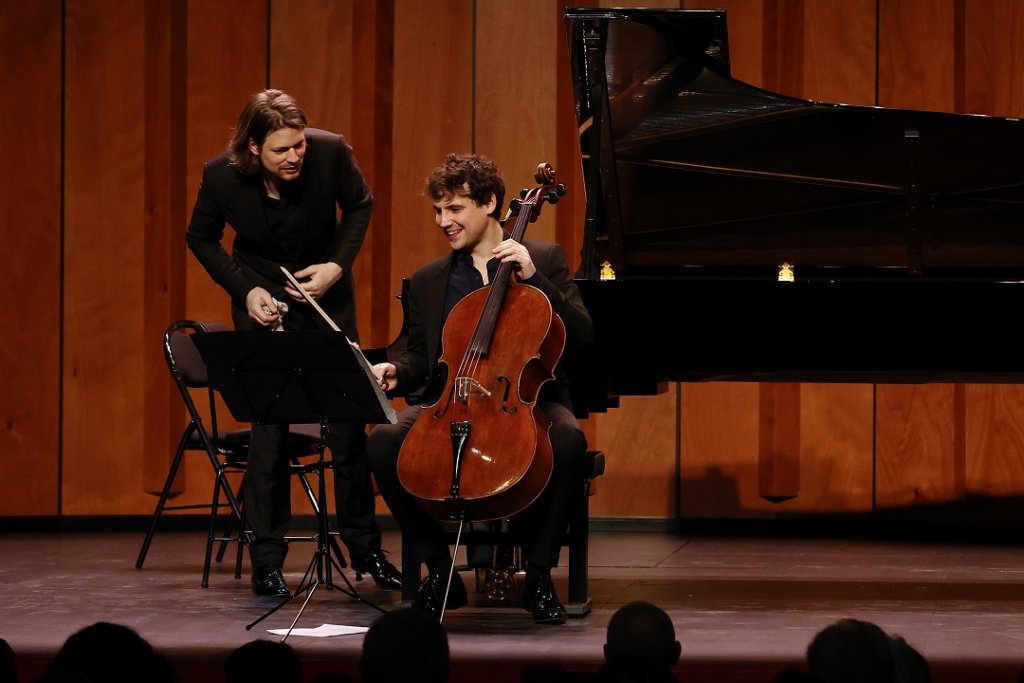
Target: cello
(481,452)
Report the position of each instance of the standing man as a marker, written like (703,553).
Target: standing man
(279,185)
(467,193)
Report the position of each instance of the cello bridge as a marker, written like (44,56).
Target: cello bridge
(465,386)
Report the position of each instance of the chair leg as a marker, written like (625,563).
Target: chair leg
(211,533)
(579,528)
(239,540)
(410,573)
(164,495)
(227,538)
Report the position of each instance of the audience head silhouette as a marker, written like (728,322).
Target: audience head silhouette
(108,653)
(423,645)
(263,661)
(909,665)
(641,641)
(8,663)
(851,651)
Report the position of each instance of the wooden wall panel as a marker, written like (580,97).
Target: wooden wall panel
(103,257)
(720,451)
(993,60)
(30,263)
(433,115)
(839,51)
(455,85)
(227,63)
(718,448)
(994,440)
(164,214)
(920,453)
(514,113)
(224,68)
(639,442)
(917,54)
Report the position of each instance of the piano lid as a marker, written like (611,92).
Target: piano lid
(690,172)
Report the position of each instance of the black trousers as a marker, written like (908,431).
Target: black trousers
(539,528)
(266,492)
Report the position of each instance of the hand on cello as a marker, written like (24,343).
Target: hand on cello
(511,251)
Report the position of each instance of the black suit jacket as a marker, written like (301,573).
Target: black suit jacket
(330,179)
(417,365)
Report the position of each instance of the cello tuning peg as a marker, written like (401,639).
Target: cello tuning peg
(523,193)
(515,205)
(560,189)
(553,197)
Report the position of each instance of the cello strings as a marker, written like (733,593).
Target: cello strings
(486,326)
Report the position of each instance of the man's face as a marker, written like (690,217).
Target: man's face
(281,153)
(463,221)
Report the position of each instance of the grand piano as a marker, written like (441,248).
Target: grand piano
(733,233)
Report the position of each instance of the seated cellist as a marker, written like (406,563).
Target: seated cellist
(467,193)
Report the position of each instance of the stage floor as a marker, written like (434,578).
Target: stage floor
(744,607)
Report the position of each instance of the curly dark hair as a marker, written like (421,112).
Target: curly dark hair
(470,175)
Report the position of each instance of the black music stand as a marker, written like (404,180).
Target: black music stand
(298,377)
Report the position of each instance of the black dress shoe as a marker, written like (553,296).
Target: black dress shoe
(431,595)
(540,600)
(383,572)
(269,582)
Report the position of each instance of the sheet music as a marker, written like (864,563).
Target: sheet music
(385,404)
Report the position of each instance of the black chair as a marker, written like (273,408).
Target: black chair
(226,450)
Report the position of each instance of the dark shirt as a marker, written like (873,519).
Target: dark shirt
(464,278)
(283,219)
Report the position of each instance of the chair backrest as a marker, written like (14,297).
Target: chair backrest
(181,353)
(188,367)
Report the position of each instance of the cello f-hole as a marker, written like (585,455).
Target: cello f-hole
(504,397)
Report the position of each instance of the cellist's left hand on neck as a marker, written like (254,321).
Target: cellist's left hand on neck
(512,251)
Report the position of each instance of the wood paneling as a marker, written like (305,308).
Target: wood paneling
(916,54)
(30,262)
(224,68)
(227,63)
(433,115)
(514,113)
(993,60)
(103,256)
(152,91)
(994,440)
(839,51)
(164,214)
(374,85)
(920,459)
(639,442)
(721,428)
